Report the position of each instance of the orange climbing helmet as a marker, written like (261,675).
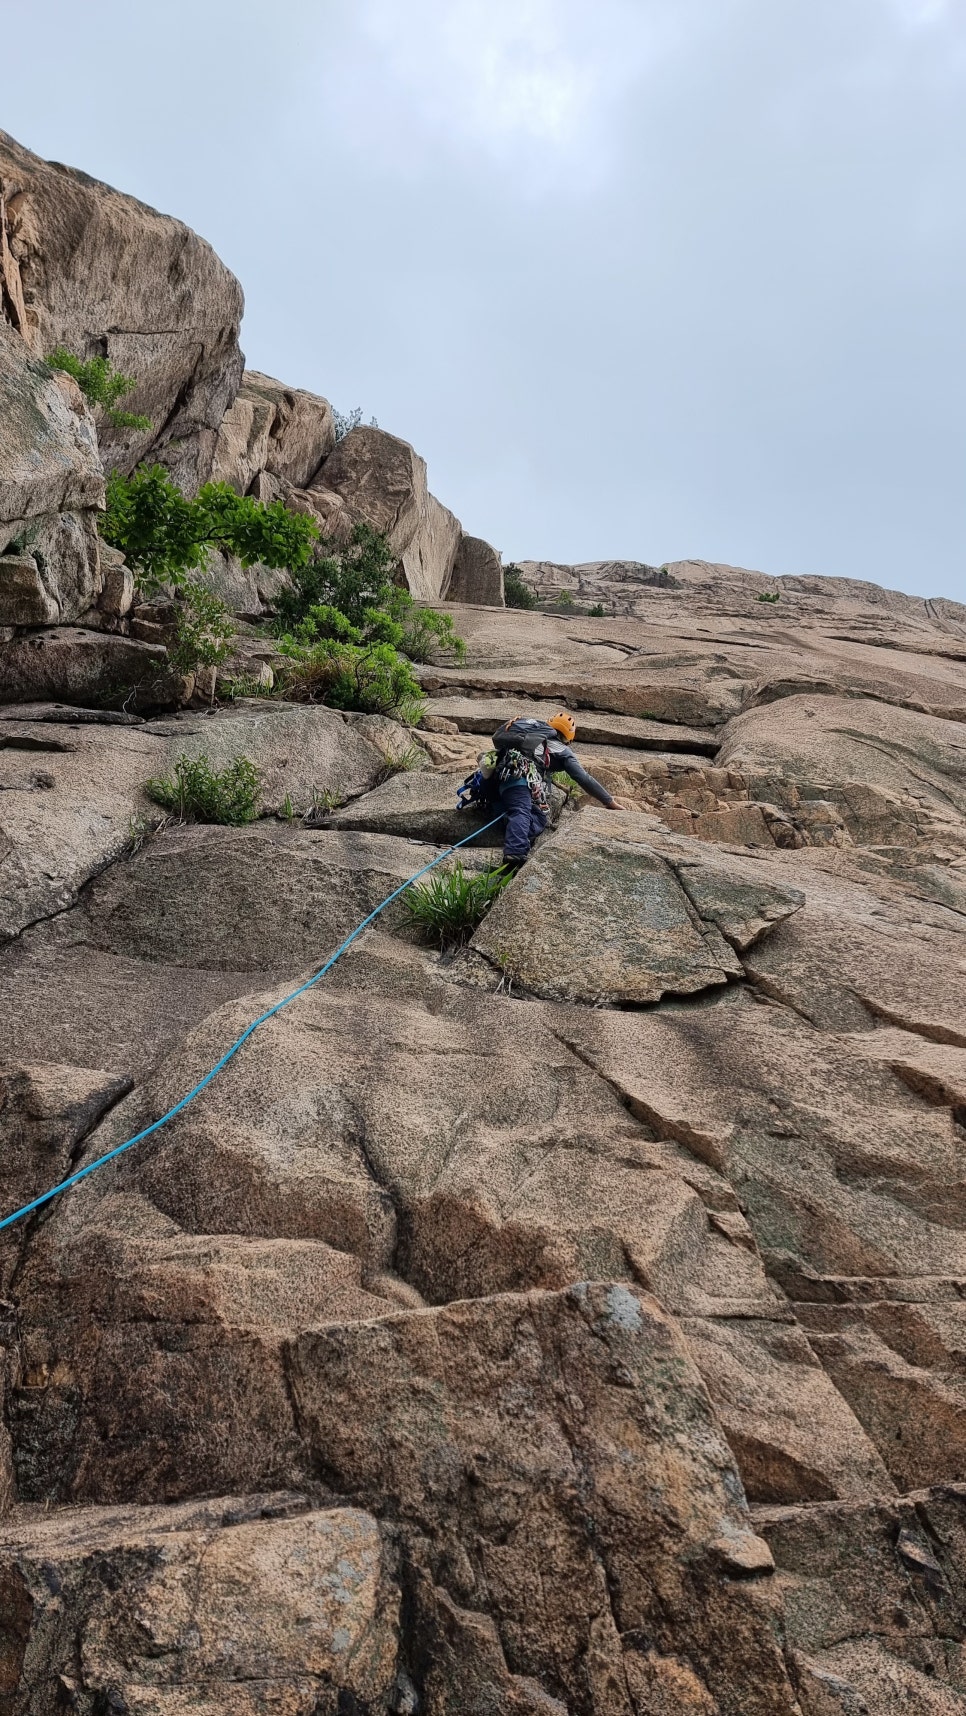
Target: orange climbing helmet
(566,726)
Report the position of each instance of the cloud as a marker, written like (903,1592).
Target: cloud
(529,86)
(922,14)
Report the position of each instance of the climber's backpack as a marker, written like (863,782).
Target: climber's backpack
(527,736)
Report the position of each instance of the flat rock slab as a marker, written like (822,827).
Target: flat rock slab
(420,805)
(594,726)
(62,1000)
(850,744)
(70,792)
(270,897)
(248,1605)
(605,920)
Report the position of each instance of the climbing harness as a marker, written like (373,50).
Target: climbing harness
(119,1150)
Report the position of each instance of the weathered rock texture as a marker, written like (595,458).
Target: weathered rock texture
(477,574)
(89,268)
(51,484)
(574,1322)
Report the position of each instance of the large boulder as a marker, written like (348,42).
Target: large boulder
(101,273)
(377,479)
(282,431)
(477,574)
(51,485)
(427,563)
(87,667)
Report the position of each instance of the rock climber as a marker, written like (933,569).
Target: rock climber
(516,773)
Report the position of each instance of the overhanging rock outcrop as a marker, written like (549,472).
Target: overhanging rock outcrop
(89,268)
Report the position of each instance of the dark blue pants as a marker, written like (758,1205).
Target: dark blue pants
(523,820)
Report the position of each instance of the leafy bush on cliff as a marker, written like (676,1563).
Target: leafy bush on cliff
(165,536)
(196,792)
(516,593)
(350,633)
(449,906)
(205,629)
(102,385)
(355,580)
(370,678)
(427,634)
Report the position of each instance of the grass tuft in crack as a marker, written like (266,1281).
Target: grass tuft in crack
(450,905)
(196,792)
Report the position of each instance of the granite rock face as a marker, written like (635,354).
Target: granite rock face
(281,432)
(51,484)
(477,574)
(571,1320)
(96,271)
(237,1607)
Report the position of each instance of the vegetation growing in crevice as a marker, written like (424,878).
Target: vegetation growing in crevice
(196,792)
(451,904)
(403,763)
(349,633)
(101,385)
(345,421)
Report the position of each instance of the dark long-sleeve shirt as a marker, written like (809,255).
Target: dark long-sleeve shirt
(564,759)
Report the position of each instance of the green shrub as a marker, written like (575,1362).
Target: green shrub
(449,906)
(101,385)
(596,612)
(345,421)
(516,593)
(196,792)
(205,629)
(355,580)
(164,536)
(370,678)
(427,634)
(769,596)
(346,629)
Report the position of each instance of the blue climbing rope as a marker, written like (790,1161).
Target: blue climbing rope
(101,1161)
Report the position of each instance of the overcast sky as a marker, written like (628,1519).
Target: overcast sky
(644,279)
